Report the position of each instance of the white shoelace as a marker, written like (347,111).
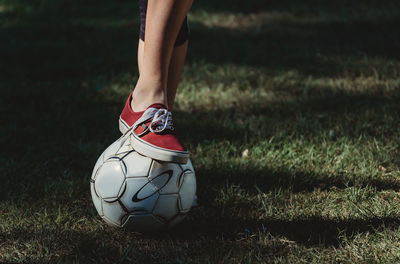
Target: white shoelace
(161,120)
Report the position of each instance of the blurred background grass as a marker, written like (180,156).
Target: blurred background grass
(290,109)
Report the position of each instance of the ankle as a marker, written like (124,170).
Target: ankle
(142,97)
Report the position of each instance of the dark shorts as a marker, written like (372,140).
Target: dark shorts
(183,34)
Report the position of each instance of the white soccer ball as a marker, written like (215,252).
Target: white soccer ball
(139,193)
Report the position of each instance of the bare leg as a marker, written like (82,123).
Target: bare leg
(163,21)
(175,69)
(175,72)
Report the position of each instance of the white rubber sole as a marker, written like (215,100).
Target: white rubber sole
(154,152)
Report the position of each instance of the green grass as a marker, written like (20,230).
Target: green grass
(290,109)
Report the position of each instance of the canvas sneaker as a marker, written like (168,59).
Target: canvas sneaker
(153,133)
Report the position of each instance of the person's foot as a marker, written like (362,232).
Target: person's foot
(153,133)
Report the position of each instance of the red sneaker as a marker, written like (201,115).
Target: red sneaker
(153,133)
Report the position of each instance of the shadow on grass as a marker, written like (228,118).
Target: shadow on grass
(122,247)
(214,239)
(69,50)
(253,181)
(326,49)
(311,232)
(321,50)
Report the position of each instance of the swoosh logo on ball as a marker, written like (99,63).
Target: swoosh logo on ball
(136,198)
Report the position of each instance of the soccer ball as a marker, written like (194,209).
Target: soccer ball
(139,193)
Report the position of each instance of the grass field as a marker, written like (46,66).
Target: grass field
(291,110)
